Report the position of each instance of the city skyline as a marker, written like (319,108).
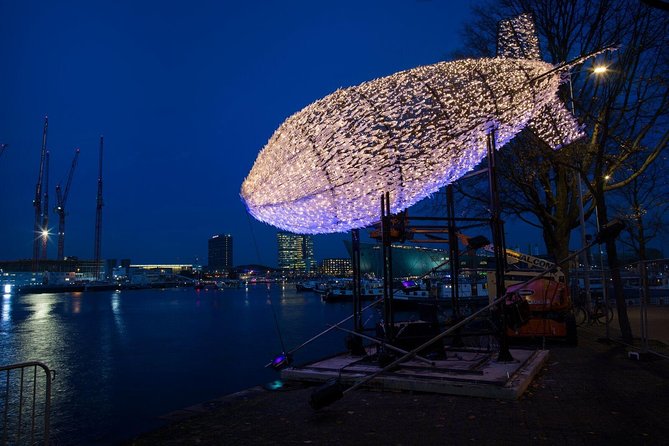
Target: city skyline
(185,98)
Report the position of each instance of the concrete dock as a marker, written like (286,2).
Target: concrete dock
(592,394)
(461,372)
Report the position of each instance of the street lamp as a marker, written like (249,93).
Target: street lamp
(581,217)
(599,69)
(605,291)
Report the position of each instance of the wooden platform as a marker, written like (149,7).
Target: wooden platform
(462,372)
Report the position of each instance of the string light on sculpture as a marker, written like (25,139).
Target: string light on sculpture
(324,169)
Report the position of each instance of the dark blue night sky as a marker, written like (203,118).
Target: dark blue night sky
(186,94)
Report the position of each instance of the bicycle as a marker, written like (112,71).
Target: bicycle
(599,314)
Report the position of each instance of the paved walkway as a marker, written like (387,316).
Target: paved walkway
(592,394)
(658,322)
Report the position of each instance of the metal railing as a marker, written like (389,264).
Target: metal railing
(25,393)
(645,287)
(653,296)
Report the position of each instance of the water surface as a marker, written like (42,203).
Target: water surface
(125,358)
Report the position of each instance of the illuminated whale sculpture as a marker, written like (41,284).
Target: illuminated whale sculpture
(325,168)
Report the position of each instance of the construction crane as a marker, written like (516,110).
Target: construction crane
(98,219)
(61,196)
(37,202)
(45,208)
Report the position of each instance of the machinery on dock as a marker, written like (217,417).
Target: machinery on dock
(548,299)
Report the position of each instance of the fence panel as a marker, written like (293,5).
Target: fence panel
(25,403)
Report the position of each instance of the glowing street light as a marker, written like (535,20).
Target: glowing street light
(597,70)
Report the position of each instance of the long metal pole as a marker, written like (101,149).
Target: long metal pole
(391,296)
(388,322)
(581,217)
(605,290)
(643,307)
(355,263)
(453,252)
(585,260)
(330,328)
(426,344)
(499,246)
(381,342)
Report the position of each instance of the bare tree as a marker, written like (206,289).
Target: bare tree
(626,114)
(643,204)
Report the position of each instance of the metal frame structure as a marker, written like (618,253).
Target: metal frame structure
(497,230)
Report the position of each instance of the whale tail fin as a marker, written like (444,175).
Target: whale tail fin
(555,125)
(517,38)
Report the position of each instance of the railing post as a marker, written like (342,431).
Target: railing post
(11,435)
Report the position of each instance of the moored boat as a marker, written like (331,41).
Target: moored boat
(307,285)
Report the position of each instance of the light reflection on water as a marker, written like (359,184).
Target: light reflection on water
(124,358)
(6,309)
(116,310)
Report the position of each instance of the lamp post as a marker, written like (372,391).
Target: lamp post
(605,291)
(581,217)
(600,69)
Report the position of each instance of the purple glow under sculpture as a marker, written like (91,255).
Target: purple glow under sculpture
(325,168)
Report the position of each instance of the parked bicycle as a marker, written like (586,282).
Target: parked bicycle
(599,312)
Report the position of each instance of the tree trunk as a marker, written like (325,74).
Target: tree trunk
(612,257)
(557,243)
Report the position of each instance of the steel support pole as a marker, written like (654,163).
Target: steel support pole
(586,261)
(453,252)
(388,319)
(643,307)
(581,217)
(497,228)
(605,285)
(355,263)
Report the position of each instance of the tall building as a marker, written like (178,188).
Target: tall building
(296,253)
(220,253)
(337,267)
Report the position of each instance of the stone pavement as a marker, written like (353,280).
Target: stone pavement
(591,394)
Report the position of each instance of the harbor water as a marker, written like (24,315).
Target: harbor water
(123,359)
